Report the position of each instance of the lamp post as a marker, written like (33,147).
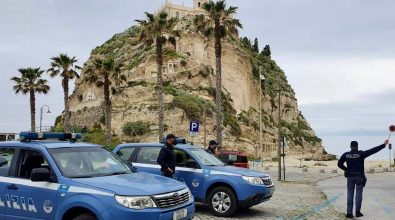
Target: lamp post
(261,80)
(279,134)
(41,114)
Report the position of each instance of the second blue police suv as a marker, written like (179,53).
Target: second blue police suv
(223,188)
(67,180)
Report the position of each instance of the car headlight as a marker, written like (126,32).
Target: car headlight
(253,180)
(140,202)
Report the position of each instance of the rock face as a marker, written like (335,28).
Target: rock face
(190,90)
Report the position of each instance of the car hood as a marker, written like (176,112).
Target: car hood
(231,170)
(134,184)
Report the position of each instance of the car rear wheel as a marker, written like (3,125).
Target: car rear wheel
(222,202)
(86,216)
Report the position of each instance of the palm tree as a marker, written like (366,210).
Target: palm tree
(66,67)
(31,82)
(104,73)
(218,23)
(158,29)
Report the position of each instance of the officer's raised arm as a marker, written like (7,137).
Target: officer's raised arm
(341,162)
(374,150)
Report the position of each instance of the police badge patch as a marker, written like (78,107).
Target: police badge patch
(47,206)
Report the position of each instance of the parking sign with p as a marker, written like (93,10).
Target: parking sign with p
(194,127)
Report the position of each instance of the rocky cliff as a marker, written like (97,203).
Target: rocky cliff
(189,94)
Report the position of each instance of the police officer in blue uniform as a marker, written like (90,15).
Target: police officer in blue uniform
(212,147)
(166,158)
(355,173)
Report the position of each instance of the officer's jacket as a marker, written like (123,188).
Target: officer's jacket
(210,151)
(355,161)
(166,158)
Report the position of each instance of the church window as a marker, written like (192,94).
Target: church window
(177,15)
(199,4)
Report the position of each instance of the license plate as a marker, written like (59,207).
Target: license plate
(180,214)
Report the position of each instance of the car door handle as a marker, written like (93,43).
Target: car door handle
(12,187)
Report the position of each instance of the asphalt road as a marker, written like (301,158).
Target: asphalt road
(378,197)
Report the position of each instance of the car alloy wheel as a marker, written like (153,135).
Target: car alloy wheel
(221,202)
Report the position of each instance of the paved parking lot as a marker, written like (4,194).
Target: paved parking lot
(299,199)
(378,198)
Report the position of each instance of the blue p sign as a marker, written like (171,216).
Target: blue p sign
(194,127)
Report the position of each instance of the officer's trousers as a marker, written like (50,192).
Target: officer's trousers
(354,184)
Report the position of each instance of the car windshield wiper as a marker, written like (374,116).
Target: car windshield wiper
(82,176)
(115,173)
(101,174)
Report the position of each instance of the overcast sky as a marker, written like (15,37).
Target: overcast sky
(338,55)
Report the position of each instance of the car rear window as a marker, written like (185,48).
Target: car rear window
(148,155)
(126,152)
(242,159)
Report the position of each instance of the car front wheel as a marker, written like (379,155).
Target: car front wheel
(222,202)
(85,216)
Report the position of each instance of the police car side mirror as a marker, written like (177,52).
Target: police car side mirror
(3,161)
(191,164)
(40,175)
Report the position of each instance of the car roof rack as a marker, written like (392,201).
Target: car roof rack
(61,136)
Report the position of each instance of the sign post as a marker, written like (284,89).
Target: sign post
(193,129)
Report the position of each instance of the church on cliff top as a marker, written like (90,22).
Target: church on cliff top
(179,11)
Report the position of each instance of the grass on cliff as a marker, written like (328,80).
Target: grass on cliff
(136,128)
(194,106)
(98,136)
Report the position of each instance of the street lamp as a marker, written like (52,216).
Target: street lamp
(279,134)
(41,114)
(261,80)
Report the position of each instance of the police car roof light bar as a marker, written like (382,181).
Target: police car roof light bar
(178,141)
(30,136)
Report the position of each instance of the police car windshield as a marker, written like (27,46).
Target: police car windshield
(86,162)
(206,158)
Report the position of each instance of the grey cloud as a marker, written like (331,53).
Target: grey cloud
(368,116)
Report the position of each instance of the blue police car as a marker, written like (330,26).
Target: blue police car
(67,180)
(223,188)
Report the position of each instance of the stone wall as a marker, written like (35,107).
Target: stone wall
(87,117)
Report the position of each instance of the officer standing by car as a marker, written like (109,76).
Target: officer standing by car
(212,147)
(355,173)
(166,157)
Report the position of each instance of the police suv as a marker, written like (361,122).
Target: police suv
(223,188)
(66,180)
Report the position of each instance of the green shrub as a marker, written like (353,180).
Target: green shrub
(136,128)
(192,105)
(138,83)
(170,90)
(99,137)
(231,121)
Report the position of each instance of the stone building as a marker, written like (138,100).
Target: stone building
(178,11)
